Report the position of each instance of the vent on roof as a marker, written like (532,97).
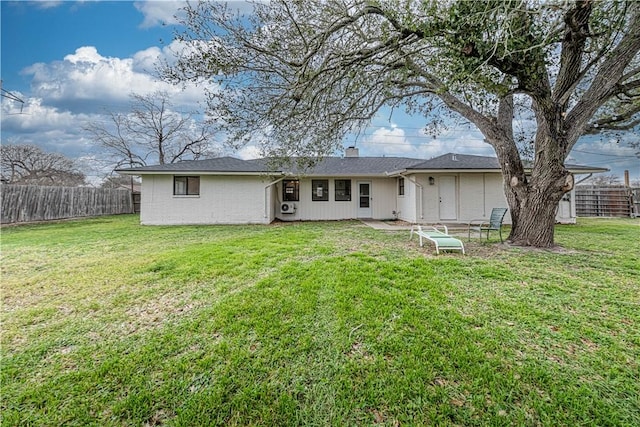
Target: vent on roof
(454,158)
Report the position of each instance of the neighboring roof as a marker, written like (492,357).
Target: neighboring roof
(136,187)
(335,166)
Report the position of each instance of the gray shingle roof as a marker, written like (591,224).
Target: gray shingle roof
(220,164)
(331,166)
(465,161)
(327,166)
(335,166)
(458,161)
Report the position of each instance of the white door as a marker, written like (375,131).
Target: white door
(448,201)
(364,199)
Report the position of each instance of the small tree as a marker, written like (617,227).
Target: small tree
(604,180)
(151,132)
(304,74)
(30,165)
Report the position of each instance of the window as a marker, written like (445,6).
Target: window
(400,186)
(186,185)
(320,190)
(291,190)
(343,190)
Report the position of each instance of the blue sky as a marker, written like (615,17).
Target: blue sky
(70,60)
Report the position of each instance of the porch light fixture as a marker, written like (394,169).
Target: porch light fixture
(432,180)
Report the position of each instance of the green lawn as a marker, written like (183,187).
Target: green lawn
(106,322)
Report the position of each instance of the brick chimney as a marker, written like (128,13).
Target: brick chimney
(351,152)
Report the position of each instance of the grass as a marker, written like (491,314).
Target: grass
(105,322)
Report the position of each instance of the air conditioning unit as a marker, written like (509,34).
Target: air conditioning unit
(287,208)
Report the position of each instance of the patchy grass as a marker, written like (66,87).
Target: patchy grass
(106,322)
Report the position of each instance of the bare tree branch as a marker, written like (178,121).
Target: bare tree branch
(152,130)
(30,165)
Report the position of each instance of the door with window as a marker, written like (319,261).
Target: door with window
(364,199)
(448,200)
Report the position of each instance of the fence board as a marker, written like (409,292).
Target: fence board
(25,203)
(606,201)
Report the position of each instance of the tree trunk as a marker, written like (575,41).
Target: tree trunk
(536,215)
(533,202)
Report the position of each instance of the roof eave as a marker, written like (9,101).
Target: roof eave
(575,170)
(342,175)
(586,169)
(450,170)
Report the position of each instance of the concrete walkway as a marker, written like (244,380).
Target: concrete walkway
(457,230)
(381,225)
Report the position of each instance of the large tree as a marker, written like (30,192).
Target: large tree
(151,132)
(301,75)
(30,165)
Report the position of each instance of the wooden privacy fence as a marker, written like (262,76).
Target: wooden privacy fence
(607,201)
(25,203)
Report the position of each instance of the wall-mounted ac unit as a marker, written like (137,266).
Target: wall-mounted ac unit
(287,208)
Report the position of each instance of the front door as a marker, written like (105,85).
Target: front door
(448,201)
(364,199)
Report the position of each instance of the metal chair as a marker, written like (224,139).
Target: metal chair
(494,223)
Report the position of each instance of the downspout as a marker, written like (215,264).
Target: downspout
(266,201)
(419,194)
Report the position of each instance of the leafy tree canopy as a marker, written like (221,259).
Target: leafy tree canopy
(300,75)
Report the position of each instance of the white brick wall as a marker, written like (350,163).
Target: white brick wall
(250,200)
(222,200)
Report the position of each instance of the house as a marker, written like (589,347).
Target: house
(452,188)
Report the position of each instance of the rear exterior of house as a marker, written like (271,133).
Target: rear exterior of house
(336,198)
(447,189)
(219,199)
(458,188)
(451,197)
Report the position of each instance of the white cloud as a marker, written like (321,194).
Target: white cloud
(48,4)
(87,75)
(45,126)
(387,141)
(248,152)
(146,61)
(85,80)
(69,93)
(410,141)
(33,116)
(169,12)
(158,13)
